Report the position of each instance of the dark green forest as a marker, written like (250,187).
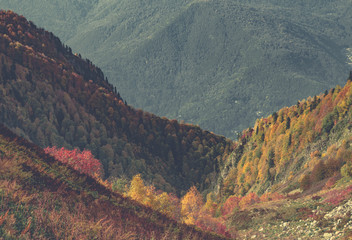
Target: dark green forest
(218,64)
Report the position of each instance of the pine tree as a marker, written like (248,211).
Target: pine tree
(288,123)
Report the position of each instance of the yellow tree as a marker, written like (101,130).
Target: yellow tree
(191,204)
(150,198)
(137,189)
(166,205)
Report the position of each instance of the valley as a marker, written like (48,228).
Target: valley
(73,148)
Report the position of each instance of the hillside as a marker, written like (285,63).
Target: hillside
(41,198)
(290,176)
(296,147)
(55,98)
(286,177)
(175,59)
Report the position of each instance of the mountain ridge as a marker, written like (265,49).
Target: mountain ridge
(237,56)
(56,98)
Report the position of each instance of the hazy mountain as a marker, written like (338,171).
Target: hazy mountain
(219,64)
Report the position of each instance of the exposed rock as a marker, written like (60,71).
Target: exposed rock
(340,211)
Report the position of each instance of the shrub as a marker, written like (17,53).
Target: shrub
(305,182)
(331,182)
(328,122)
(318,172)
(332,166)
(230,204)
(83,161)
(271,197)
(346,170)
(249,199)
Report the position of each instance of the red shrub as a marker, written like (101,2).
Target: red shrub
(208,223)
(335,197)
(271,197)
(249,199)
(230,204)
(83,161)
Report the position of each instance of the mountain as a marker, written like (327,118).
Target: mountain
(176,59)
(296,147)
(42,198)
(289,177)
(55,98)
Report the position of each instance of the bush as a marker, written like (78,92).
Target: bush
(249,199)
(346,170)
(319,172)
(82,161)
(328,122)
(305,182)
(231,203)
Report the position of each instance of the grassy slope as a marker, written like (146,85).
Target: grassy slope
(42,198)
(177,59)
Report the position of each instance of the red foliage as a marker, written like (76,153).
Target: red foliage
(83,161)
(249,199)
(335,197)
(266,197)
(230,204)
(208,223)
(331,182)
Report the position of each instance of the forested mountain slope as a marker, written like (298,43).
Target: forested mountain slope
(297,147)
(242,58)
(55,98)
(290,176)
(41,198)
(292,168)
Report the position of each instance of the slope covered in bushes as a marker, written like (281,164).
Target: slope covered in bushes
(42,198)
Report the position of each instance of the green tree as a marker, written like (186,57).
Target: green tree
(275,116)
(271,158)
(288,123)
(328,123)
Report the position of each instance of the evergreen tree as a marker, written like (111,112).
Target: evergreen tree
(275,116)
(288,123)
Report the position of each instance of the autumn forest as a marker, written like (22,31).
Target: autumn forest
(78,162)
